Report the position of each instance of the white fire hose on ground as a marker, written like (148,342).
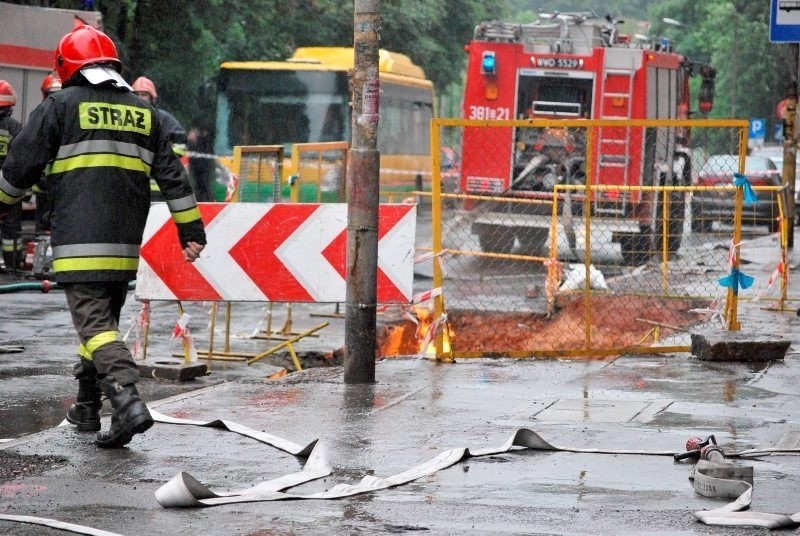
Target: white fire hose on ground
(713,476)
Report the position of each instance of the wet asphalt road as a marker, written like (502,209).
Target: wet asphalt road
(416,410)
(37,386)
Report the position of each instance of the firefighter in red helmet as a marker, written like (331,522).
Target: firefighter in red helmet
(50,84)
(146,90)
(103,144)
(10,228)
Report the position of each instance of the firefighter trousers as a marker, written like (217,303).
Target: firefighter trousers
(95,309)
(11,235)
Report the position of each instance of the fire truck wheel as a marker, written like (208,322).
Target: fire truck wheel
(533,240)
(495,239)
(700,224)
(635,248)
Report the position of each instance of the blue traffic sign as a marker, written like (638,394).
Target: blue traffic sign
(784,21)
(758,129)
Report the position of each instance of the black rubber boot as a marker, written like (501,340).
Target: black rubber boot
(12,261)
(85,412)
(131,415)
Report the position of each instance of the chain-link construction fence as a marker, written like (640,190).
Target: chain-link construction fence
(640,239)
(319,172)
(259,170)
(312,173)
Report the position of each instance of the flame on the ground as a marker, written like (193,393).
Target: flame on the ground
(393,343)
(425,317)
(408,337)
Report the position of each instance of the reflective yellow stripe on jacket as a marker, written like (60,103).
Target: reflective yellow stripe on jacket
(9,194)
(13,244)
(102,153)
(85,257)
(184,209)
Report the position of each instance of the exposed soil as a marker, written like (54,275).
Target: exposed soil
(616,322)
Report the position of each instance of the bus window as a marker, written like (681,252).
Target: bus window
(404,125)
(280,107)
(422,113)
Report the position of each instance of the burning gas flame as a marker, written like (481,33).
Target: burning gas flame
(426,338)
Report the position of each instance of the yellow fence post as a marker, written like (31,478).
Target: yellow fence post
(288,343)
(436,232)
(587,210)
(733,291)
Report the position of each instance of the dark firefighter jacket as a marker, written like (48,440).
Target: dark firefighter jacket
(104,144)
(9,128)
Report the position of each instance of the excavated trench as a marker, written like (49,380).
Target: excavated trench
(616,322)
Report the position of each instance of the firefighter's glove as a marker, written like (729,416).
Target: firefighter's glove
(192,231)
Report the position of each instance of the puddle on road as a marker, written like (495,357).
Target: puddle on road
(35,403)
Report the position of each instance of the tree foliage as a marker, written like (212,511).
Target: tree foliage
(753,75)
(180,43)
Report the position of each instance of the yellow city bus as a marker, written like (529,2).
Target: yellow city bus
(306,99)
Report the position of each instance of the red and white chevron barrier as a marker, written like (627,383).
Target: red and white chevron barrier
(280,252)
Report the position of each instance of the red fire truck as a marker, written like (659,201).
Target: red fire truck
(575,66)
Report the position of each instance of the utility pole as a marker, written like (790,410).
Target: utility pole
(789,171)
(363,199)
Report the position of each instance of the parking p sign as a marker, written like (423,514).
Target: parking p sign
(757,133)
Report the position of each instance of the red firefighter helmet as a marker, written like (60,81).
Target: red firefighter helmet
(145,85)
(84,46)
(50,84)
(7,96)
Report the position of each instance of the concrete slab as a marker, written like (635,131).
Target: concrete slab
(416,410)
(738,346)
(606,411)
(172,369)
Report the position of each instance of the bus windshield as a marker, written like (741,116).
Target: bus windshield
(306,100)
(280,107)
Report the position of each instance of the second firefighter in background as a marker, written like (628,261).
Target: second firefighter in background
(11,226)
(50,85)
